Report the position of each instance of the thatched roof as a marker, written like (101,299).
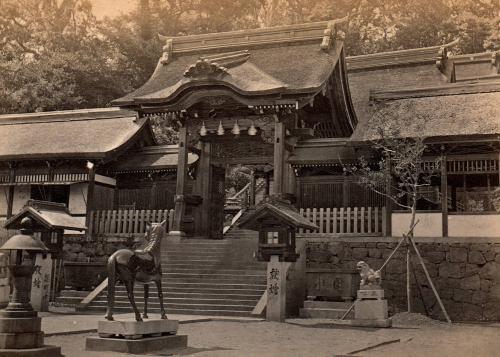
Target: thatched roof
(277,61)
(152,158)
(92,133)
(439,116)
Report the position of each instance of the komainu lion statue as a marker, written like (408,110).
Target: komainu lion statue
(369,277)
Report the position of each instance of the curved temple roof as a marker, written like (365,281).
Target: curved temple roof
(273,64)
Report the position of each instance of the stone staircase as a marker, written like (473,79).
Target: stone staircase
(202,277)
(325,310)
(70,298)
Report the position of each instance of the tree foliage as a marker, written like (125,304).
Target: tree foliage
(54,54)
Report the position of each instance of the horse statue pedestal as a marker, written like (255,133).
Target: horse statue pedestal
(136,337)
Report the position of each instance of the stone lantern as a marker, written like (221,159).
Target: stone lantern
(277,221)
(20,326)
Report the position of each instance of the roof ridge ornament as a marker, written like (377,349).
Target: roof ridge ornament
(331,32)
(205,68)
(167,49)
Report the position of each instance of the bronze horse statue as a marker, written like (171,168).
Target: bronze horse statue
(143,265)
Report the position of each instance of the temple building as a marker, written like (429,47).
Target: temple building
(289,105)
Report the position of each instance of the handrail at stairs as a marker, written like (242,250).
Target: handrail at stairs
(234,220)
(93,294)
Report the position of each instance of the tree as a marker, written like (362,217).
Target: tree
(53,57)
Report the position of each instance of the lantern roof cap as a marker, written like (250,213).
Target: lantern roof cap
(25,240)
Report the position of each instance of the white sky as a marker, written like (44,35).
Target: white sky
(111,8)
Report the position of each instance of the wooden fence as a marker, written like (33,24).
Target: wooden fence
(347,220)
(128,222)
(5,233)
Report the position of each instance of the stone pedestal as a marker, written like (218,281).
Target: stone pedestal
(370,309)
(136,337)
(22,336)
(40,284)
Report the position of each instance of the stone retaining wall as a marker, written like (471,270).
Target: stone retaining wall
(466,274)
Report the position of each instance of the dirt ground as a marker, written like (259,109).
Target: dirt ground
(318,338)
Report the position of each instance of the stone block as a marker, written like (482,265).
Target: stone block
(490,270)
(479,297)
(374,253)
(486,285)
(359,253)
(457,255)
(370,309)
(140,346)
(21,340)
(435,257)
(460,295)
(480,247)
(451,270)
(371,294)
(471,269)
(476,257)
(44,351)
(489,255)
(20,325)
(471,283)
(133,328)
(395,266)
(471,312)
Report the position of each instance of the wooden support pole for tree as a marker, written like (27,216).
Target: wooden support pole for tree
(408,276)
(430,280)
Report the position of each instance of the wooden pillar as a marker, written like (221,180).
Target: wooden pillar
(252,188)
(10,197)
(205,174)
(268,183)
(180,204)
(90,198)
(279,158)
(388,201)
(444,195)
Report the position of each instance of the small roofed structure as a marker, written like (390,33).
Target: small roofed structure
(50,219)
(277,221)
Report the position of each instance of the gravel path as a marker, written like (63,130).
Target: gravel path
(317,338)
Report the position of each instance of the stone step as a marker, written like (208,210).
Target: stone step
(155,305)
(73,293)
(68,300)
(182,301)
(208,312)
(188,296)
(214,271)
(203,286)
(324,313)
(195,290)
(327,304)
(213,276)
(215,266)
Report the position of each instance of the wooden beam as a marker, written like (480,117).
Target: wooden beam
(180,204)
(279,156)
(90,200)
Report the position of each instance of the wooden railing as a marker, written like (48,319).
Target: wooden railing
(347,220)
(128,222)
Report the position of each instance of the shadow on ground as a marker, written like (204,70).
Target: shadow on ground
(191,351)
